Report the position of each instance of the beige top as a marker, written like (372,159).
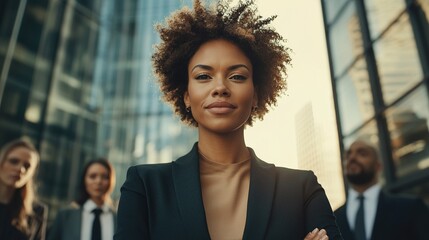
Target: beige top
(225,189)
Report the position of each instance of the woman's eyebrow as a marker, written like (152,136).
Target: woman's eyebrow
(206,67)
(238,66)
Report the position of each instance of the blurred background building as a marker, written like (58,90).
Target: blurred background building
(379,60)
(76,77)
(314,143)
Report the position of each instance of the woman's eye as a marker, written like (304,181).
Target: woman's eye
(13,161)
(202,77)
(92,176)
(238,77)
(27,166)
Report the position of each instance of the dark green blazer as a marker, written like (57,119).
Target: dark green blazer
(164,201)
(67,224)
(397,218)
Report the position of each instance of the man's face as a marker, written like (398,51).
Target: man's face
(361,164)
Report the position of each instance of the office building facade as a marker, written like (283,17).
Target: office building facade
(379,60)
(76,78)
(317,154)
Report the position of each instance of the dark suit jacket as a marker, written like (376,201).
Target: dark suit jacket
(164,201)
(39,221)
(396,218)
(36,223)
(67,224)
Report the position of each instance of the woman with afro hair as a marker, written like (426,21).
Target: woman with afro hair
(221,68)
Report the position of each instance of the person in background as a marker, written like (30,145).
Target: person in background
(383,216)
(91,216)
(221,69)
(21,217)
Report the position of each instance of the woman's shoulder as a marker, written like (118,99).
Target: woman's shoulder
(285,171)
(71,208)
(150,169)
(40,210)
(285,174)
(39,207)
(293,171)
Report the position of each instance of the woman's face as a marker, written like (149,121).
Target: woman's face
(97,181)
(220,87)
(18,167)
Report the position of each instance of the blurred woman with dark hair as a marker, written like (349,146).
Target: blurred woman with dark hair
(21,217)
(92,215)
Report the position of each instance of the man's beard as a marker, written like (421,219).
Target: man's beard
(361,178)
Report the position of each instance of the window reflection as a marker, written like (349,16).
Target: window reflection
(422,190)
(346,39)
(354,97)
(367,133)
(81,84)
(34,111)
(408,123)
(333,6)
(381,13)
(397,60)
(89,6)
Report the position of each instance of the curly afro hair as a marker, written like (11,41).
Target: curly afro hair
(187,29)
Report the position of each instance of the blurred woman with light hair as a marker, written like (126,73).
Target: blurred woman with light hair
(21,217)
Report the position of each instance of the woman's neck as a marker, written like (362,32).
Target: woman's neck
(6,194)
(225,148)
(99,201)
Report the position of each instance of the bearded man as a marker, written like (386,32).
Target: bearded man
(370,213)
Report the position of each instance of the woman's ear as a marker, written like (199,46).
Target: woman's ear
(186,99)
(255,99)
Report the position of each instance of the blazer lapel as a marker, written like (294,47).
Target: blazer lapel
(186,177)
(261,193)
(379,221)
(344,226)
(75,223)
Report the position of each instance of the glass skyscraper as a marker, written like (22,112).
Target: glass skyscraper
(76,78)
(379,59)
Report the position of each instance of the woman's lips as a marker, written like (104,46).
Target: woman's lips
(220,107)
(15,178)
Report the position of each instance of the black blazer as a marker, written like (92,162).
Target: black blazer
(397,218)
(38,221)
(68,224)
(36,224)
(164,201)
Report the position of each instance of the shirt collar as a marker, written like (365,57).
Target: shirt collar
(370,193)
(90,205)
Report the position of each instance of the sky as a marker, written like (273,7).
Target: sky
(301,23)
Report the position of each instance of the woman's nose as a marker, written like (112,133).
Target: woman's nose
(23,169)
(99,180)
(221,90)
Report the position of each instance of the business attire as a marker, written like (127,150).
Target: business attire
(36,224)
(386,216)
(165,201)
(75,222)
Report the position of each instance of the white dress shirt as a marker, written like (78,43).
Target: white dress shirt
(106,220)
(370,209)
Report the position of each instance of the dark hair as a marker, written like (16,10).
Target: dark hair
(83,195)
(21,205)
(186,30)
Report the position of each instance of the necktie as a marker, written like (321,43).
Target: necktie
(96,225)
(360,222)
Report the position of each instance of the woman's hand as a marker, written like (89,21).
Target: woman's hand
(317,234)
